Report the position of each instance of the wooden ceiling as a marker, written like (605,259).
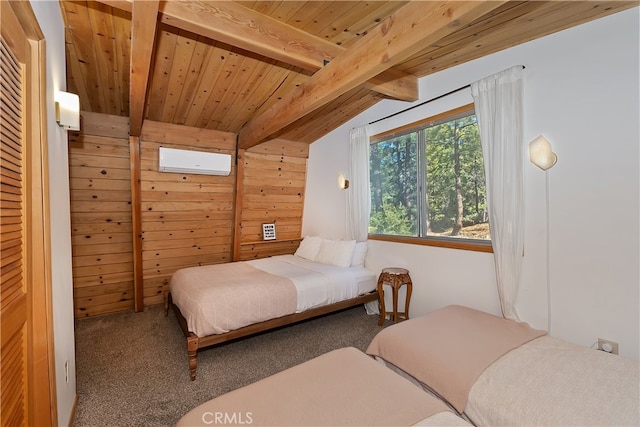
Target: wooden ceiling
(294,70)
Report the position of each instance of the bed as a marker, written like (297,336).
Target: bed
(495,371)
(339,388)
(222,302)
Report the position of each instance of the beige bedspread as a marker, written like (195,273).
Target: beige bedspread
(219,298)
(448,349)
(340,388)
(550,382)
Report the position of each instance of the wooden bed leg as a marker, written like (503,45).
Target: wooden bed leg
(192,351)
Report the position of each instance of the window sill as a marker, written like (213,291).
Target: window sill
(463,244)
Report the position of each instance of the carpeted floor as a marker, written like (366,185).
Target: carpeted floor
(132,368)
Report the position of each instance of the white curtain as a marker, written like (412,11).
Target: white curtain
(359,193)
(498,105)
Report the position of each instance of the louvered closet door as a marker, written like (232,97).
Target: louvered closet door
(13,298)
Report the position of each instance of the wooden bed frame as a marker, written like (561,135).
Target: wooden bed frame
(195,343)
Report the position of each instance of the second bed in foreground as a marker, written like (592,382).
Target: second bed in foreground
(340,388)
(496,371)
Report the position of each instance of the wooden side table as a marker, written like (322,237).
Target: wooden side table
(395,277)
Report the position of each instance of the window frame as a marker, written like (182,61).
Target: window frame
(476,245)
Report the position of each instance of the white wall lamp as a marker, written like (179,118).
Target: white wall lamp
(343,183)
(540,153)
(68,110)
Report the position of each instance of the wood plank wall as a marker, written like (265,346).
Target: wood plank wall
(272,192)
(187,219)
(100,194)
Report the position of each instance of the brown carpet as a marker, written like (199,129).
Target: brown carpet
(132,368)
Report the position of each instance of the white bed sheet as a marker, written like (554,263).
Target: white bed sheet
(318,284)
(550,382)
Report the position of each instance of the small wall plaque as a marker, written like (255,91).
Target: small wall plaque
(268,232)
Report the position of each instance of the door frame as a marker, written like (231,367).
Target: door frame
(41,383)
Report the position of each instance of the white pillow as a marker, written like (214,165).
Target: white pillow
(309,247)
(336,252)
(359,254)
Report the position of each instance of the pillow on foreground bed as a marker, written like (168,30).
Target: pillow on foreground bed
(336,252)
(309,247)
(342,253)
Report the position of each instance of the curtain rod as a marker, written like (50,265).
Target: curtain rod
(425,102)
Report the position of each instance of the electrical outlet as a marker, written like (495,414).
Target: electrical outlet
(607,346)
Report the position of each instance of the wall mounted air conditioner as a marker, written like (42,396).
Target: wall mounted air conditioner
(197,162)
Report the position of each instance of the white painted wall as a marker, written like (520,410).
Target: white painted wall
(50,20)
(582,93)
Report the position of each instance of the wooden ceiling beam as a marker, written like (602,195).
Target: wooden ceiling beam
(126,5)
(242,27)
(408,31)
(239,26)
(143,32)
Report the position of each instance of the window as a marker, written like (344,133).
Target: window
(427,182)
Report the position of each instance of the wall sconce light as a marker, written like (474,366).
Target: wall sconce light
(540,153)
(343,183)
(68,110)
